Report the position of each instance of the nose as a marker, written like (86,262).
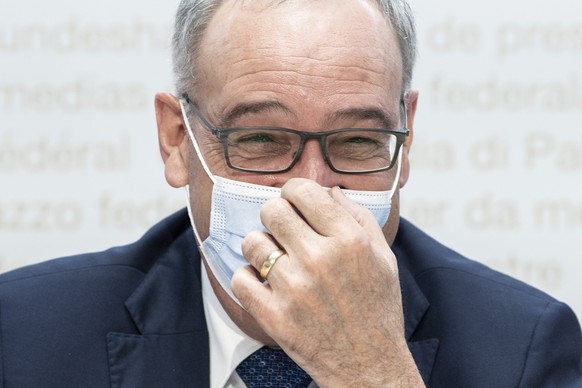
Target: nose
(312,165)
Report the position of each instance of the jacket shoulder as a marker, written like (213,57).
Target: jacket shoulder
(488,324)
(431,262)
(137,257)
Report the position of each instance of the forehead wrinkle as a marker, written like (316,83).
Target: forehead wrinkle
(305,71)
(280,73)
(379,64)
(332,72)
(298,49)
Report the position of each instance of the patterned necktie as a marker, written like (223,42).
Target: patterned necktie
(272,368)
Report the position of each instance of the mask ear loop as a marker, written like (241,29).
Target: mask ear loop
(195,143)
(204,166)
(397,176)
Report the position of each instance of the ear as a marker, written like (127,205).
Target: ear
(172,139)
(411,102)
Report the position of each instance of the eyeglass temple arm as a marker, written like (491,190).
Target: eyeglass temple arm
(206,123)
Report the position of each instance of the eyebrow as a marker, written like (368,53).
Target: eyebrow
(245,108)
(385,119)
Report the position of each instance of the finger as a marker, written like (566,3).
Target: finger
(369,224)
(286,226)
(320,211)
(250,291)
(258,248)
(363,216)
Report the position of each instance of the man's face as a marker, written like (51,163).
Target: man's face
(305,65)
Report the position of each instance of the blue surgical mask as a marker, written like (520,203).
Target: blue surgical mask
(235,212)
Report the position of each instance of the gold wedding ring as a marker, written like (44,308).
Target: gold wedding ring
(270,262)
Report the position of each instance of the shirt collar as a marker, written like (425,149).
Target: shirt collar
(228,344)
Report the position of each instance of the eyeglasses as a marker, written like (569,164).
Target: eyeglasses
(276,150)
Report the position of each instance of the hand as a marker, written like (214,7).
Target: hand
(333,302)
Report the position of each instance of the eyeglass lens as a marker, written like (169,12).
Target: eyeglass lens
(272,150)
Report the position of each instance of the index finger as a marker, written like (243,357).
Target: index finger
(323,213)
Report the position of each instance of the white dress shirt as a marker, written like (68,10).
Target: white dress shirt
(229,346)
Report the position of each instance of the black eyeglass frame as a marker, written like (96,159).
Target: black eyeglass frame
(222,135)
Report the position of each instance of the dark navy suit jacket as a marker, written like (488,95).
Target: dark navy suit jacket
(133,317)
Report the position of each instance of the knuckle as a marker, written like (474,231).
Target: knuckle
(355,241)
(272,207)
(318,255)
(328,211)
(308,187)
(250,241)
(302,188)
(303,289)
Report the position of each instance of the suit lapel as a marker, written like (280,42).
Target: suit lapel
(171,349)
(415,307)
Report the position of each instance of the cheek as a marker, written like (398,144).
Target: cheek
(200,203)
(200,188)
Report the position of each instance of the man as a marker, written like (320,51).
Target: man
(304,257)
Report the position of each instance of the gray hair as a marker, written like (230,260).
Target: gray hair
(193,17)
